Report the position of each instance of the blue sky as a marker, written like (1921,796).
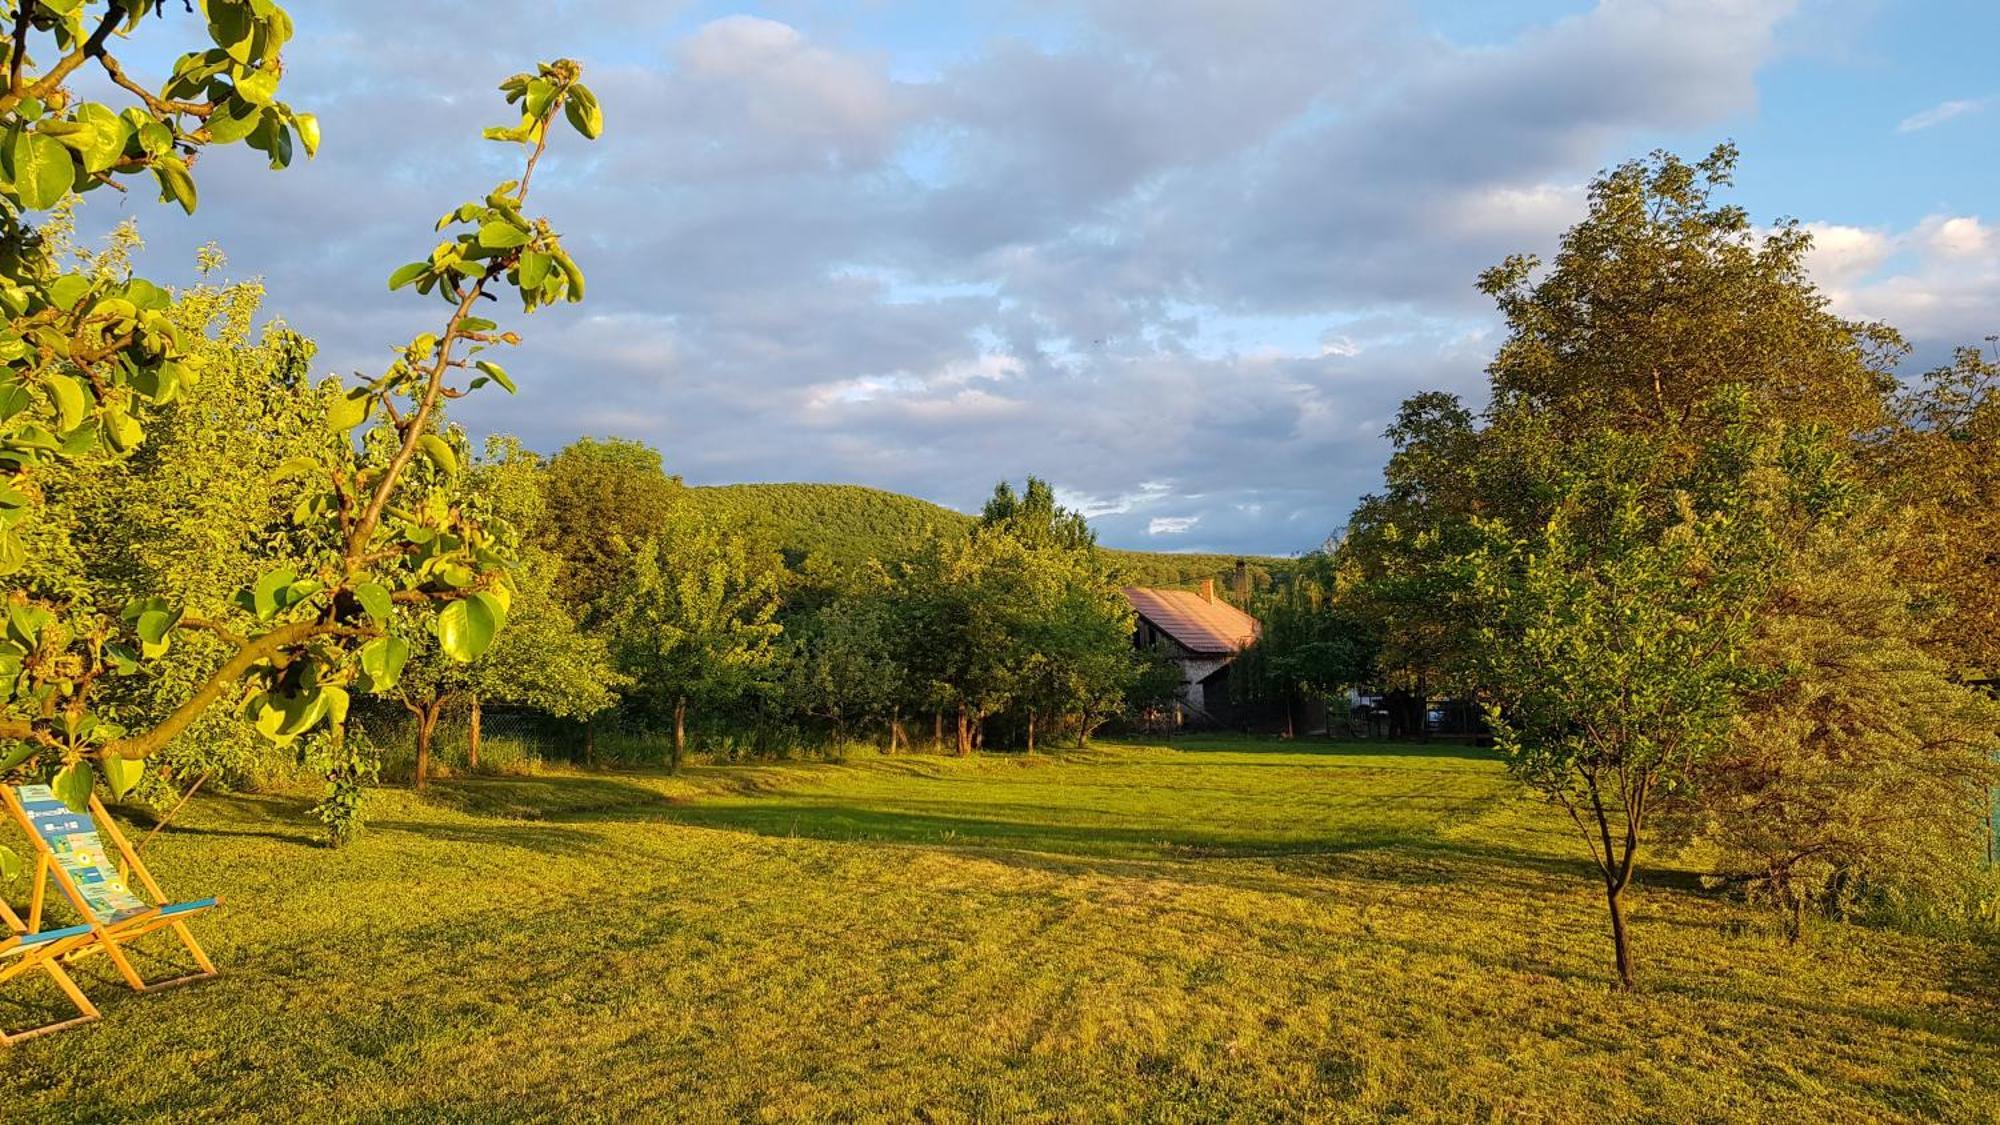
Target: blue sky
(1182,258)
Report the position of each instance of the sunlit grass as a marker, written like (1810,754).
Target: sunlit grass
(1226,929)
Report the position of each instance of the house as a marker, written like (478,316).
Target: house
(1202,633)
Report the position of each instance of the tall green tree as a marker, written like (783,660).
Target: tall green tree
(1312,642)
(1035,519)
(694,624)
(1664,295)
(1940,463)
(603,500)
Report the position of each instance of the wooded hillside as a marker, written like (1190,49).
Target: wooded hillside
(849,524)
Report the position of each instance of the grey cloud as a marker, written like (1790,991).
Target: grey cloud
(803,266)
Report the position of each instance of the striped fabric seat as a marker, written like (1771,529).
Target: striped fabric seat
(71,848)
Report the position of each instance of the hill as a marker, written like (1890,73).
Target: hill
(850,523)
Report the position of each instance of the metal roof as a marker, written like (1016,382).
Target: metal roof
(1196,623)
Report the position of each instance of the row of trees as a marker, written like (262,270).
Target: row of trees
(1016,619)
(1719,578)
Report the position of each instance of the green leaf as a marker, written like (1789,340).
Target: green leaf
(466,628)
(72,785)
(176,185)
(349,410)
(439,451)
(407,274)
(534,268)
(236,118)
(584,114)
(301,466)
(122,430)
(10,864)
(122,774)
(264,595)
(375,600)
(69,399)
(382,661)
(308,127)
(497,373)
(43,174)
(498,234)
(104,140)
(258,87)
(20,752)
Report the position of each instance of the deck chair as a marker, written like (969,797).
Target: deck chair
(23,951)
(68,847)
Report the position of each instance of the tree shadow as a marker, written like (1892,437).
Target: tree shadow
(546,798)
(1315,748)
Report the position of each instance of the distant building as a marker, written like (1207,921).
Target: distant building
(1202,633)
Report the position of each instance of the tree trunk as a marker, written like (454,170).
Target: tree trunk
(1620,941)
(427,720)
(680,732)
(1031,730)
(979,733)
(1291,724)
(589,744)
(1423,707)
(964,733)
(896,733)
(472,737)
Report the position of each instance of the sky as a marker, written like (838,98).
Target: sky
(1182,259)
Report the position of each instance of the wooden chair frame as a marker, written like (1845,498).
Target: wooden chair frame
(110,937)
(47,957)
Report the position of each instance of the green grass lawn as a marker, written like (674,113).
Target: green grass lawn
(1219,930)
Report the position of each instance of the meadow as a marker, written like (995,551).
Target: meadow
(1219,929)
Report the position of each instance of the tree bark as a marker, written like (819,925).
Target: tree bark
(427,720)
(1620,941)
(937,731)
(589,744)
(472,737)
(680,732)
(896,733)
(1031,730)
(964,733)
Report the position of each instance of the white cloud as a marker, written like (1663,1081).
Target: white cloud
(806,264)
(1938,281)
(1939,114)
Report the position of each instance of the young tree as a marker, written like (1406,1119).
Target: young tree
(1613,640)
(694,624)
(84,359)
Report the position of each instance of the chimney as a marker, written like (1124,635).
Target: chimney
(1208,590)
(1242,584)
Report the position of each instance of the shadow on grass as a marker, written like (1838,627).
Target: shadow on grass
(1318,748)
(546,798)
(901,826)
